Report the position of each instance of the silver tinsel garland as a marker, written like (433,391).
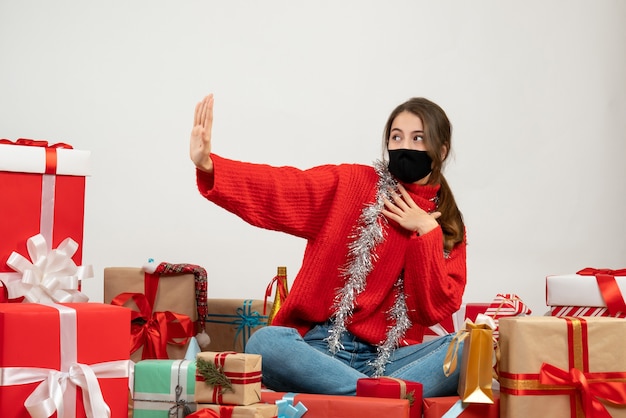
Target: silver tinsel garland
(361,257)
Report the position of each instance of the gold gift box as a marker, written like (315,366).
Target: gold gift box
(258,410)
(592,348)
(176,293)
(243,372)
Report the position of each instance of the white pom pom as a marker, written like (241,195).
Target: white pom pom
(203,339)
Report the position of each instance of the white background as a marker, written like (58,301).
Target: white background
(535,89)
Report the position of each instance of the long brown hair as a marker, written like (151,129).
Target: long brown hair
(437,137)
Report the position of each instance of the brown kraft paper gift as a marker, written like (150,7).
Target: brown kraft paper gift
(176,293)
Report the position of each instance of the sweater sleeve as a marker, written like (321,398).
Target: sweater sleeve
(434,283)
(285,199)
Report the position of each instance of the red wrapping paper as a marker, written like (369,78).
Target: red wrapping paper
(437,407)
(325,406)
(23,202)
(30,338)
(385,387)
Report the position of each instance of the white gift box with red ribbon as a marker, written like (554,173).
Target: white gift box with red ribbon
(589,287)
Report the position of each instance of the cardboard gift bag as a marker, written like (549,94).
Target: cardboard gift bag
(477,360)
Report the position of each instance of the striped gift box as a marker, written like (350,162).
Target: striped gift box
(506,305)
(583,311)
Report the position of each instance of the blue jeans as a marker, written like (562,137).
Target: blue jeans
(292,363)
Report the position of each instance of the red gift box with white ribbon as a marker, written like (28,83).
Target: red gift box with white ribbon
(42,191)
(59,359)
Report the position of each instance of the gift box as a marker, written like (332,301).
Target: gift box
(390,387)
(324,406)
(165,306)
(438,407)
(228,378)
(231,322)
(83,361)
(456,321)
(257,410)
(42,190)
(164,388)
(562,367)
(583,311)
(600,288)
(506,305)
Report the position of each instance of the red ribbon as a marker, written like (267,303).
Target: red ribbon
(281,289)
(51,150)
(4,295)
(608,287)
(157,329)
(204,413)
(591,386)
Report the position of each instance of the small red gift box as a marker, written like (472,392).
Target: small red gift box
(389,387)
(437,407)
(324,406)
(83,362)
(42,191)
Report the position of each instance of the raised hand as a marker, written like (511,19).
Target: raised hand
(200,143)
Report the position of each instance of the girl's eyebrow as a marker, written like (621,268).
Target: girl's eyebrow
(400,130)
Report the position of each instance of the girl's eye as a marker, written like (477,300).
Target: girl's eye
(395,137)
(418,138)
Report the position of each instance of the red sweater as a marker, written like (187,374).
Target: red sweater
(323,205)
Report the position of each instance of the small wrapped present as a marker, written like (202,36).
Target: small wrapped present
(231,322)
(84,369)
(324,406)
(477,361)
(452,406)
(600,288)
(562,367)
(456,322)
(164,388)
(506,305)
(166,300)
(228,378)
(257,410)
(390,387)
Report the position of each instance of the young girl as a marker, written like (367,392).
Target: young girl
(385,255)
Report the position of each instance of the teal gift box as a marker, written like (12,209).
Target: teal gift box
(164,388)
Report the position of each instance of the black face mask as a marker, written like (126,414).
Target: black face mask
(409,165)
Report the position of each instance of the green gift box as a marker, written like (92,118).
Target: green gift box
(164,388)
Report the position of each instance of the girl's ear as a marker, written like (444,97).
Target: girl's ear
(444,152)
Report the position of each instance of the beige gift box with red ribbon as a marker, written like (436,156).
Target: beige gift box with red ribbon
(228,378)
(562,367)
